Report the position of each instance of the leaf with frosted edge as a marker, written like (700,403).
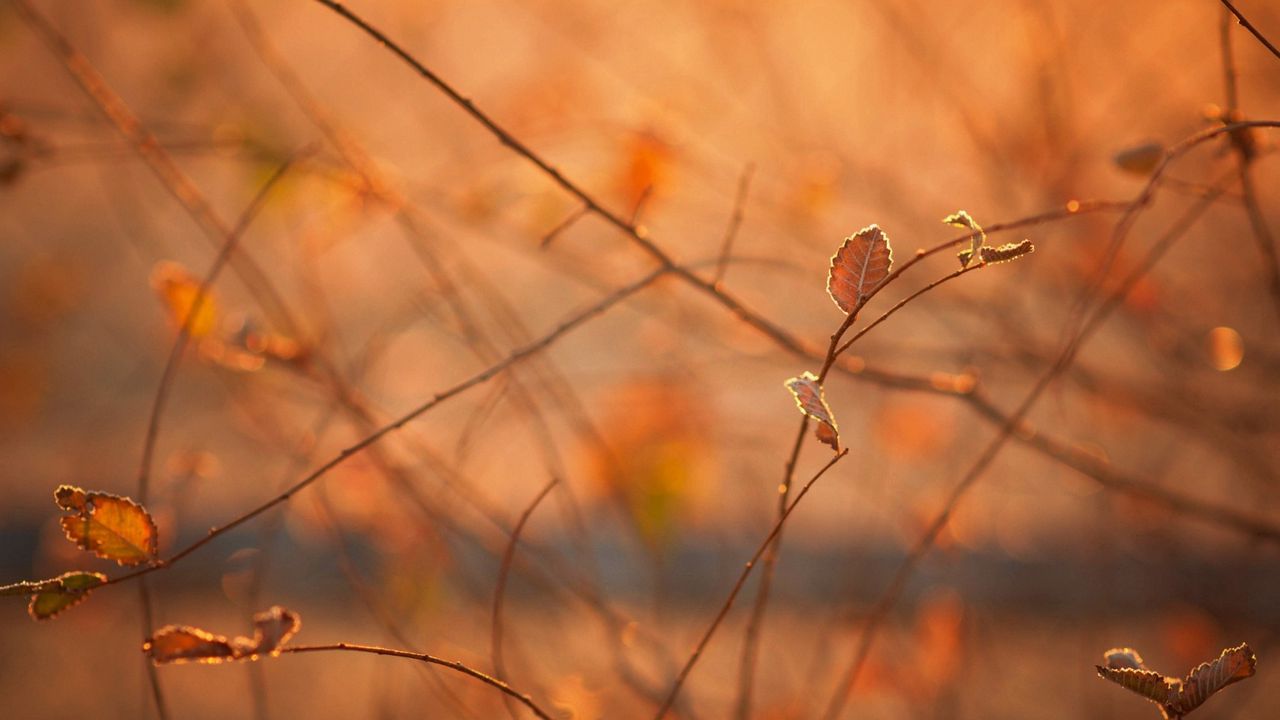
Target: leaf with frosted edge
(50,597)
(1118,658)
(110,526)
(962,219)
(861,263)
(1178,697)
(1233,665)
(809,398)
(1005,253)
(174,644)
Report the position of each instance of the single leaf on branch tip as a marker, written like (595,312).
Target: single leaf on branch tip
(809,397)
(109,526)
(962,219)
(861,263)
(182,643)
(1233,665)
(50,597)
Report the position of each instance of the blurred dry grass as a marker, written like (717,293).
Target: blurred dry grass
(896,113)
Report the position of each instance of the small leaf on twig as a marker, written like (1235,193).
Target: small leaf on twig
(809,397)
(110,526)
(1178,697)
(50,597)
(183,643)
(861,263)
(962,219)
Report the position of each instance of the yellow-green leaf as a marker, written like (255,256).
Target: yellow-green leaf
(962,219)
(50,597)
(112,527)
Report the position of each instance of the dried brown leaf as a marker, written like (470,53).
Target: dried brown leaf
(809,397)
(1233,665)
(861,263)
(1140,159)
(183,643)
(110,526)
(1178,697)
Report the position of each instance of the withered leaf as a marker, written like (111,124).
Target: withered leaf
(809,397)
(1005,253)
(50,597)
(962,219)
(1233,665)
(1177,697)
(110,526)
(861,263)
(183,643)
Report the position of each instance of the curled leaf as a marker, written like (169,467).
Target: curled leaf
(109,526)
(1119,658)
(962,219)
(183,643)
(1005,253)
(50,597)
(809,397)
(1177,697)
(861,263)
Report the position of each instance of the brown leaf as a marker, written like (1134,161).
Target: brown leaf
(1149,684)
(273,628)
(112,527)
(1233,665)
(861,263)
(1178,697)
(809,397)
(183,643)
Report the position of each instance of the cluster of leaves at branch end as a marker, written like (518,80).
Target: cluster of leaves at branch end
(109,526)
(1178,696)
(173,644)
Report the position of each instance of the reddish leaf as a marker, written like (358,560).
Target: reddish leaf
(112,527)
(809,397)
(861,263)
(178,289)
(1178,697)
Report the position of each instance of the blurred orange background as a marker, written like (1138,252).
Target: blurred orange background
(407,250)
